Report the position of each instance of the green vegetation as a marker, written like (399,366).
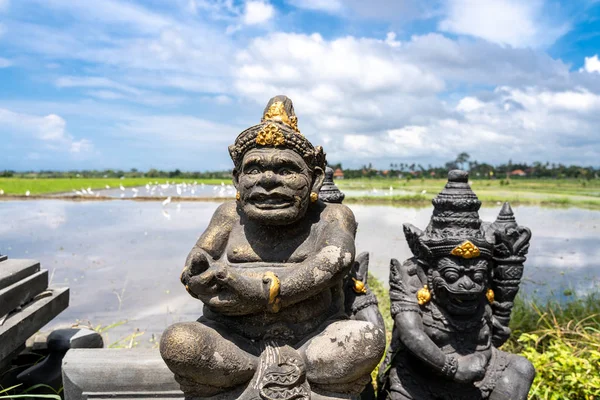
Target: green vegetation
(545,192)
(562,340)
(42,186)
(414,192)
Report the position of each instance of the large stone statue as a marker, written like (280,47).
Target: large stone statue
(451,305)
(270,270)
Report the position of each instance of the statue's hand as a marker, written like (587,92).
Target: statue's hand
(470,368)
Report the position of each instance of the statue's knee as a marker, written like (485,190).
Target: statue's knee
(523,367)
(183,343)
(345,351)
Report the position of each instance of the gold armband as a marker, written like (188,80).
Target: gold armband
(274,300)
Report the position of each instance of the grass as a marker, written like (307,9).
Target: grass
(544,192)
(18,186)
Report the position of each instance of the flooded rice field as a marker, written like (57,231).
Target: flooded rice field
(122,259)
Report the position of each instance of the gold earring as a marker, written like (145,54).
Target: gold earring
(237,196)
(423,295)
(490,295)
(314,197)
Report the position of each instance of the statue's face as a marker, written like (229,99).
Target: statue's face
(275,185)
(459,284)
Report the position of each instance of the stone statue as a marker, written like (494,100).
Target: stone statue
(451,305)
(270,270)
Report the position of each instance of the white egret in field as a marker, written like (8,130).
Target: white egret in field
(167,201)
(1,192)
(121,187)
(108,187)
(423,191)
(27,193)
(178,190)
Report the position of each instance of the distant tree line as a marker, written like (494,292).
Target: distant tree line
(117,173)
(477,170)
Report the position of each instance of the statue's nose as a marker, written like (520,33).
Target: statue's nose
(466,283)
(269,179)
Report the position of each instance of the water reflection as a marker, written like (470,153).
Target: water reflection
(122,259)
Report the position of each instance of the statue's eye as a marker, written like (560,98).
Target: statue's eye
(253,171)
(285,171)
(451,276)
(478,277)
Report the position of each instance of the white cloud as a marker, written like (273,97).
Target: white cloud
(319,5)
(128,92)
(49,131)
(4,62)
(257,12)
(469,104)
(592,64)
(513,22)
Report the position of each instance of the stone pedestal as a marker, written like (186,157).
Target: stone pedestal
(118,374)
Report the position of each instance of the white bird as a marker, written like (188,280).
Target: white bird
(27,193)
(1,192)
(423,191)
(167,201)
(122,195)
(178,190)
(78,193)
(108,187)
(121,187)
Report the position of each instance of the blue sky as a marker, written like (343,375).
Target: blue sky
(169,84)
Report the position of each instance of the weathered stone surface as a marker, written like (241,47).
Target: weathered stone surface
(270,269)
(451,305)
(12,271)
(21,325)
(22,291)
(3,258)
(48,372)
(117,374)
(329,192)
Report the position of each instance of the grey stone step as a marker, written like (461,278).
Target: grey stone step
(124,374)
(12,271)
(22,291)
(21,325)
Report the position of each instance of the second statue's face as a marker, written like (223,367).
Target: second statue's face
(274,186)
(459,284)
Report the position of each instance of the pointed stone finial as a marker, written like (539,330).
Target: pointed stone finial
(329,192)
(506,214)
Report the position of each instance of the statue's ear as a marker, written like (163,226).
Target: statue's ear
(318,177)
(413,238)
(236,176)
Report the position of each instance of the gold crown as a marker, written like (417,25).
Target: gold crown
(466,250)
(270,135)
(276,112)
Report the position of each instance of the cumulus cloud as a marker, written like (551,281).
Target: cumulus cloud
(257,12)
(510,22)
(48,131)
(592,64)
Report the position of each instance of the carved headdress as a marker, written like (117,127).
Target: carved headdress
(278,128)
(455,228)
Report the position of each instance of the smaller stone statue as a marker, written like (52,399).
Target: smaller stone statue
(451,305)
